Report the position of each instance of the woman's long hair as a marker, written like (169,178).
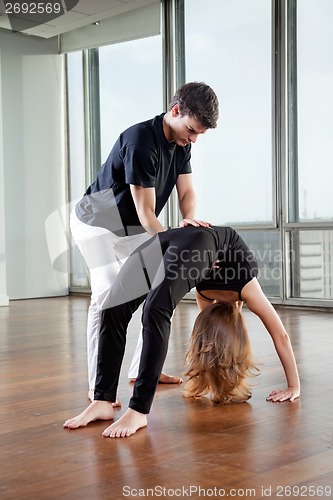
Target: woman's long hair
(219,357)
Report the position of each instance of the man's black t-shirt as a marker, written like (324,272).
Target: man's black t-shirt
(141,156)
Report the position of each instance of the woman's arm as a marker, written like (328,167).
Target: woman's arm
(258,303)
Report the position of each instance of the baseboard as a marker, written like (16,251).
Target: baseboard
(4,300)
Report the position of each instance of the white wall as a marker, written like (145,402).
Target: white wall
(32,167)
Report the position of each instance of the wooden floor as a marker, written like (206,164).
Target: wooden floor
(191,448)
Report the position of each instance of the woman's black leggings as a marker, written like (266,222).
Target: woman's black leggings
(162,271)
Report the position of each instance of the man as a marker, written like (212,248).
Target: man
(219,264)
(119,211)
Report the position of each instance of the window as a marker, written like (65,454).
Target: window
(129,91)
(310,164)
(228,45)
(232,165)
(267,168)
(130,78)
(266,247)
(312,264)
(315,109)
(130,86)
(77,162)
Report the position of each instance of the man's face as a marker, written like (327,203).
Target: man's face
(184,129)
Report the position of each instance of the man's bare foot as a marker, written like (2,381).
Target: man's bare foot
(127,425)
(169,379)
(97,410)
(116,404)
(166,379)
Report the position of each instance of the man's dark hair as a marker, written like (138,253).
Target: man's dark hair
(198,100)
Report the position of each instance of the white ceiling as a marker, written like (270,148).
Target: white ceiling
(85,12)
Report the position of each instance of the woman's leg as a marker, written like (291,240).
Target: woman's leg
(169,280)
(186,261)
(181,274)
(111,349)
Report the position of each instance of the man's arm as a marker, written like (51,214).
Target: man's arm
(144,201)
(258,303)
(186,196)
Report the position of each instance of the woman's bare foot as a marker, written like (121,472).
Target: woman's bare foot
(97,410)
(127,425)
(166,379)
(116,404)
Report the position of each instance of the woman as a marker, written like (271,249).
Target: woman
(218,263)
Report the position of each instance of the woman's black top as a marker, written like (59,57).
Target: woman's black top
(236,264)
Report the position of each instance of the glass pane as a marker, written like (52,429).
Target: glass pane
(130,92)
(77,174)
(231,51)
(266,247)
(312,264)
(130,86)
(315,109)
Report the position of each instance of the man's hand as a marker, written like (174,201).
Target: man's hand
(194,222)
